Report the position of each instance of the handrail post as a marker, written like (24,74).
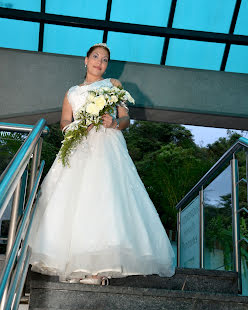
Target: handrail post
(201,229)
(235,221)
(246,174)
(12,230)
(39,152)
(33,167)
(179,237)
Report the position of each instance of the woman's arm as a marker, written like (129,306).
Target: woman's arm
(66,116)
(116,83)
(123,120)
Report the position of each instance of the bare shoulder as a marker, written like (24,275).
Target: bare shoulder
(116,82)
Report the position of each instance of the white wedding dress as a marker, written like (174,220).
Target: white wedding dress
(95,217)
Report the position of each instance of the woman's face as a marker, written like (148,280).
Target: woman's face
(97,62)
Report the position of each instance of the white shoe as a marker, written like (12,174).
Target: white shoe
(70,281)
(95,281)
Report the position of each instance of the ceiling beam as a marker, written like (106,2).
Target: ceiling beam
(41,31)
(107,18)
(169,25)
(231,31)
(123,27)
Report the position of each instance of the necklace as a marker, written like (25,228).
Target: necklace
(88,83)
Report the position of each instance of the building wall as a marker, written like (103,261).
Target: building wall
(33,84)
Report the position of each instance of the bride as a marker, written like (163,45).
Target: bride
(94,218)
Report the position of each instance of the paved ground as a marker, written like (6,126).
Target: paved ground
(23,307)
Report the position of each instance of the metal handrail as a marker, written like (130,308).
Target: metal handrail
(198,189)
(14,170)
(10,260)
(22,128)
(242,142)
(11,181)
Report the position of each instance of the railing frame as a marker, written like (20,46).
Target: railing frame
(201,228)
(12,181)
(229,155)
(235,220)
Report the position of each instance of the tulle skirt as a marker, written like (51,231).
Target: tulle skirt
(96,218)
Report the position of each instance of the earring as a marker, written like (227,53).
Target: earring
(85,66)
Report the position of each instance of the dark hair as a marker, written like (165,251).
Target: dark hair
(92,48)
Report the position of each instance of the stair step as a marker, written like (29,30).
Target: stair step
(187,279)
(199,280)
(2,261)
(55,295)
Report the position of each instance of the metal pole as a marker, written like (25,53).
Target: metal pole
(33,168)
(235,221)
(201,229)
(179,237)
(19,127)
(22,280)
(39,153)
(12,231)
(247,178)
(24,227)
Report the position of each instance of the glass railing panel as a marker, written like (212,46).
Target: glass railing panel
(244,268)
(4,227)
(218,246)
(243,221)
(10,142)
(190,235)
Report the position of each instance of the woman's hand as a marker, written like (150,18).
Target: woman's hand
(90,127)
(107,121)
(66,116)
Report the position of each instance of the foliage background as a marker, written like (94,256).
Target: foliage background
(169,163)
(166,157)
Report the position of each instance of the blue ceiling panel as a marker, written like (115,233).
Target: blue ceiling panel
(28,5)
(69,40)
(80,8)
(19,34)
(195,54)
(141,12)
(242,21)
(204,15)
(237,60)
(134,47)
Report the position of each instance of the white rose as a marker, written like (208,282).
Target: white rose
(129,97)
(90,97)
(106,88)
(88,122)
(92,109)
(114,98)
(100,102)
(115,89)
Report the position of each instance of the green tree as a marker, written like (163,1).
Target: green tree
(51,146)
(169,163)
(10,142)
(145,137)
(168,175)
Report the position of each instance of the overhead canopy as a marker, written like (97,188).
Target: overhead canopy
(183,61)
(33,86)
(187,33)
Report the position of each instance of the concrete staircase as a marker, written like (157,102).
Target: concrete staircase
(188,289)
(2,261)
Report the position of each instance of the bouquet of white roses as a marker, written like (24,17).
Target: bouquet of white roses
(98,102)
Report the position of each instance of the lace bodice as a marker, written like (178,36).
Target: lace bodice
(77,94)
